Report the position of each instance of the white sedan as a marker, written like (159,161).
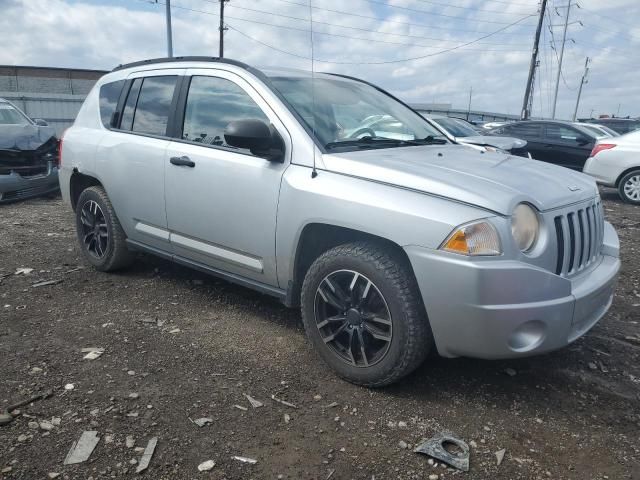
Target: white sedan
(615,162)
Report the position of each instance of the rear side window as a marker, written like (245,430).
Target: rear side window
(154,104)
(211,104)
(109,95)
(130,105)
(525,130)
(560,134)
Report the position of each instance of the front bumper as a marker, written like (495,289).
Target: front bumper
(492,308)
(14,187)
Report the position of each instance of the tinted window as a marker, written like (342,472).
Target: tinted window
(560,133)
(11,116)
(211,104)
(130,105)
(154,104)
(109,95)
(524,130)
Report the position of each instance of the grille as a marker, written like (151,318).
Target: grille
(579,238)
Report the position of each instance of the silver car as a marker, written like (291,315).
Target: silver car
(392,247)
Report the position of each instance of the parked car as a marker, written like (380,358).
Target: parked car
(28,155)
(600,131)
(554,141)
(619,125)
(615,162)
(460,131)
(391,247)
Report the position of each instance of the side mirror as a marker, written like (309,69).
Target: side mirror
(40,122)
(256,136)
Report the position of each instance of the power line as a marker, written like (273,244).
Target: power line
(332,34)
(425,12)
(398,22)
(404,35)
(451,49)
(449,5)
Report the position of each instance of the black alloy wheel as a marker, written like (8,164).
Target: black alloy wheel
(95,234)
(353,318)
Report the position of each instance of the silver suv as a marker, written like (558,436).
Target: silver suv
(393,244)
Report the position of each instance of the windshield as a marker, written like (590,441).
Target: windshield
(351,115)
(11,116)
(456,127)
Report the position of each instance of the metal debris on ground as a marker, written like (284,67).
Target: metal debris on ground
(330,474)
(500,455)
(201,422)
(23,271)
(240,407)
(254,403)
(332,405)
(146,456)
(206,466)
(435,447)
(48,282)
(7,417)
(92,352)
(81,450)
(283,402)
(252,461)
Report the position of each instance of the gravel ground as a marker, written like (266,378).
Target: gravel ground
(179,346)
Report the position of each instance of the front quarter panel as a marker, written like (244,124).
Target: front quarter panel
(403,216)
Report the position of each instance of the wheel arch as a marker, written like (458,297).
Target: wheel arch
(316,238)
(627,171)
(78,183)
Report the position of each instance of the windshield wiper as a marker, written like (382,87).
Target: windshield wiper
(374,142)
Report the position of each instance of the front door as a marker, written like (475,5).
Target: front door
(565,146)
(222,201)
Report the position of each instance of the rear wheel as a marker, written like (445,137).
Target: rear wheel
(363,313)
(629,187)
(102,240)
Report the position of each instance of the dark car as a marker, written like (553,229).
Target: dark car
(620,125)
(28,155)
(553,141)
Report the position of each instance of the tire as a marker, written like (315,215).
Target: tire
(391,278)
(629,187)
(108,252)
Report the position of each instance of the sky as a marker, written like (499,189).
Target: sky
(434,51)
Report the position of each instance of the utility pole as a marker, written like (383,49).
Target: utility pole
(469,110)
(169,34)
(564,39)
(222,28)
(532,66)
(582,82)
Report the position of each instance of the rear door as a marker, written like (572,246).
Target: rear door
(567,146)
(221,208)
(532,133)
(130,157)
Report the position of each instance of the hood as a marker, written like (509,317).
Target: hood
(503,143)
(493,181)
(24,137)
(26,148)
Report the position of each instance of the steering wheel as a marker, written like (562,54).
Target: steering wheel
(359,133)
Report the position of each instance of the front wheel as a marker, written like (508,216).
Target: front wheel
(102,240)
(363,313)
(629,187)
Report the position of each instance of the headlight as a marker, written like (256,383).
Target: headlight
(525,227)
(478,238)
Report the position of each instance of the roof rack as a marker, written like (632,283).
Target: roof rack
(182,59)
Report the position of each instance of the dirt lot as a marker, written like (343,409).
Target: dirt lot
(189,346)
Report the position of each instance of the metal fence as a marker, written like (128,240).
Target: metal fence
(53,94)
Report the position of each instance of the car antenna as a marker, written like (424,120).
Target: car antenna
(314,172)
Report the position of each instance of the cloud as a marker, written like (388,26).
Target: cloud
(103,33)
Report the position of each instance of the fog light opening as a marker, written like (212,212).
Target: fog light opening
(527,336)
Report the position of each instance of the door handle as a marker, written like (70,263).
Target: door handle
(183,161)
